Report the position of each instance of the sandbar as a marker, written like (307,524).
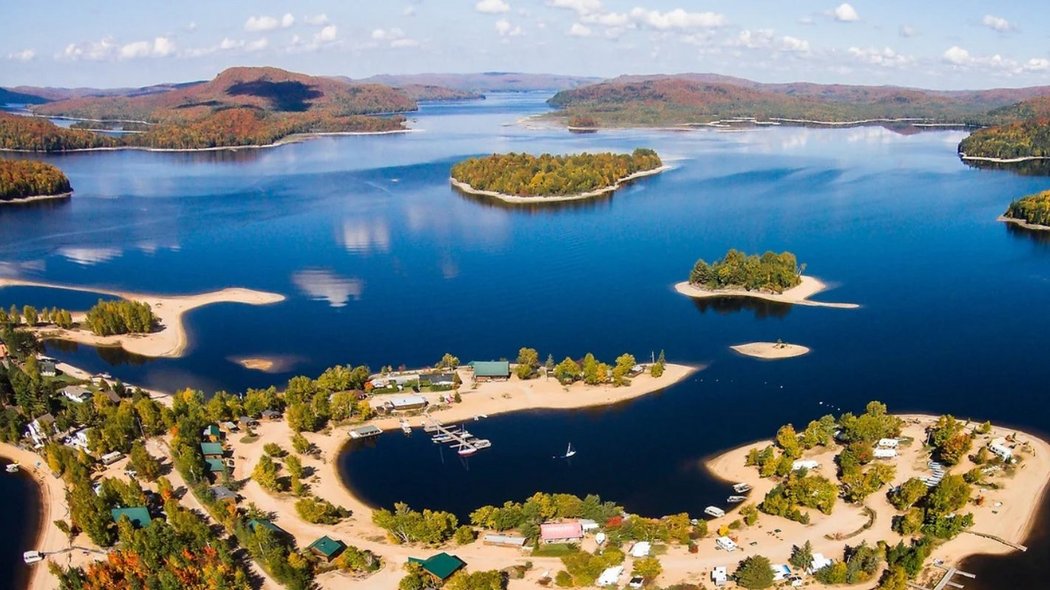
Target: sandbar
(170,339)
(771,350)
(798,295)
(556,198)
(1023,223)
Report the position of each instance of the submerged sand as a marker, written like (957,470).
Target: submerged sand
(798,295)
(771,350)
(170,340)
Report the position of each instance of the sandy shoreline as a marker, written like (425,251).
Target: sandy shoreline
(1023,223)
(1003,160)
(798,295)
(771,350)
(168,341)
(36,198)
(553,199)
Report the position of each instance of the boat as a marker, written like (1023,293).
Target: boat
(736,499)
(466,451)
(741,488)
(714,511)
(32,556)
(482,443)
(406,427)
(12,467)
(442,438)
(569,452)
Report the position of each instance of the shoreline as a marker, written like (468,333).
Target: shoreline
(771,350)
(1016,160)
(170,340)
(1014,518)
(36,198)
(558,198)
(1023,223)
(797,295)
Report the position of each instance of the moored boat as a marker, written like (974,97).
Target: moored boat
(736,499)
(741,488)
(32,557)
(467,451)
(714,511)
(12,467)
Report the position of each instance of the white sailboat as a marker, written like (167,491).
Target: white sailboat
(569,452)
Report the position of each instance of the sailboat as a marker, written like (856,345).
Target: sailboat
(569,452)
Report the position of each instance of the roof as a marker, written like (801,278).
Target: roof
(409,400)
(327,546)
(491,368)
(215,465)
(270,414)
(641,549)
(210,448)
(212,430)
(75,390)
(223,492)
(138,515)
(262,522)
(440,566)
(610,576)
(367,430)
(504,540)
(561,530)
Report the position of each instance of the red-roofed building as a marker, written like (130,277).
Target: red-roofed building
(561,532)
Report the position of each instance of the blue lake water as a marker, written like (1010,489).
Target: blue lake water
(383,263)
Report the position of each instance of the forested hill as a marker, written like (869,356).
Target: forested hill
(36,134)
(1033,209)
(704,98)
(486,81)
(1024,132)
(28,178)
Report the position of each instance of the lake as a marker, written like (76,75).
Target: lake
(383,263)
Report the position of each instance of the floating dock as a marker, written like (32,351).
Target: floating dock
(458,438)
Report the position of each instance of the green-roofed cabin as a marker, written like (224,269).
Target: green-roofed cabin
(138,515)
(441,566)
(211,450)
(490,370)
(212,433)
(327,548)
(277,531)
(215,465)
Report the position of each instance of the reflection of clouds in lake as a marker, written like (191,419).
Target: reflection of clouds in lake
(324,285)
(151,247)
(89,256)
(449,268)
(15,269)
(361,235)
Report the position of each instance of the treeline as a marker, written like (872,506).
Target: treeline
(769,272)
(32,317)
(1021,139)
(29,178)
(123,316)
(35,134)
(547,175)
(1033,209)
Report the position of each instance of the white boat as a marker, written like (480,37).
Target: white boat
(32,556)
(736,499)
(406,427)
(12,467)
(482,443)
(714,511)
(569,452)
(467,451)
(442,438)
(741,488)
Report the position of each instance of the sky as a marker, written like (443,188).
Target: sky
(943,44)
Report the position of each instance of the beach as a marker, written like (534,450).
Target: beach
(771,350)
(37,198)
(557,198)
(797,295)
(1023,223)
(170,340)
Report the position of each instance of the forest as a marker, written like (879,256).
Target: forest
(547,175)
(34,134)
(107,318)
(28,178)
(769,272)
(1033,209)
(1022,139)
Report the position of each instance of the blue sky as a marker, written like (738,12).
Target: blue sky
(928,43)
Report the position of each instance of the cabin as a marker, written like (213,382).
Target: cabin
(1001,450)
(277,531)
(437,380)
(327,548)
(726,544)
(223,493)
(230,427)
(780,572)
(561,532)
(808,464)
(212,450)
(111,395)
(41,429)
(818,563)
(211,432)
(138,515)
(366,431)
(247,422)
(610,577)
(406,403)
(272,415)
(111,458)
(504,541)
(77,394)
(720,575)
(48,368)
(78,440)
(440,566)
(490,370)
(215,465)
(641,549)
(588,525)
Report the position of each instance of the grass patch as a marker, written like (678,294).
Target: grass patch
(249,438)
(555,550)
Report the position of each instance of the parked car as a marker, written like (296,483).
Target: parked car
(636,582)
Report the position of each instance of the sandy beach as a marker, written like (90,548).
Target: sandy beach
(771,350)
(170,339)
(554,199)
(1023,223)
(798,295)
(36,198)
(1003,160)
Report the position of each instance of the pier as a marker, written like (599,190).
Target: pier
(457,437)
(946,580)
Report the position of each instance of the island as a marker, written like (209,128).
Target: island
(524,178)
(1030,212)
(772,277)
(22,181)
(771,350)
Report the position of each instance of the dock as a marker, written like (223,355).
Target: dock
(946,580)
(458,438)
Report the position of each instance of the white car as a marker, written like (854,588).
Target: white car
(636,582)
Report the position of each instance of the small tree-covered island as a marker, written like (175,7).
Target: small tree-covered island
(1032,211)
(525,178)
(25,180)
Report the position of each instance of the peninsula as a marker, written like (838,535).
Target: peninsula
(1031,212)
(771,277)
(22,181)
(168,339)
(524,178)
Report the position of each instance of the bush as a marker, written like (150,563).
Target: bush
(319,511)
(274,450)
(754,573)
(464,535)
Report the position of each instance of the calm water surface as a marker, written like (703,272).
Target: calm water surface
(384,264)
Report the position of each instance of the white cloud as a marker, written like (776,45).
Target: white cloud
(580,6)
(957,55)
(578,30)
(327,34)
(678,19)
(24,55)
(885,57)
(316,20)
(506,29)
(192,26)
(287,20)
(90,50)
(492,6)
(258,45)
(845,13)
(907,31)
(409,11)
(766,39)
(159,47)
(257,24)
(608,19)
(789,43)
(400,43)
(1037,64)
(394,37)
(997,23)
(89,256)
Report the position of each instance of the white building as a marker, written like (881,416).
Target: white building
(818,563)
(885,453)
(41,429)
(78,440)
(588,525)
(610,577)
(725,543)
(808,464)
(781,571)
(1001,450)
(76,393)
(641,549)
(888,443)
(720,575)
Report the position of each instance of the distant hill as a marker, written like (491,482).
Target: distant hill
(486,81)
(13,97)
(686,99)
(51,94)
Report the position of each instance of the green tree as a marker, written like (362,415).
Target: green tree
(30,315)
(528,362)
(754,573)
(948,496)
(908,493)
(448,361)
(801,556)
(147,466)
(647,567)
(567,371)
(265,473)
(658,368)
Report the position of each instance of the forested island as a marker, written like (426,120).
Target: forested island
(547,176)
(1031,211)
(26,179)
(770,272)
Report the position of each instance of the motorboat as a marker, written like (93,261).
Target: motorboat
(736,499)
(714,511)
(741,488)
